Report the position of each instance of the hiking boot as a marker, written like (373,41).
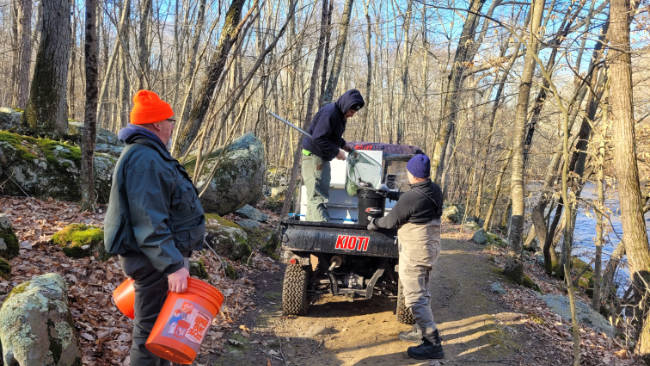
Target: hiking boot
(428,350)
(414,335)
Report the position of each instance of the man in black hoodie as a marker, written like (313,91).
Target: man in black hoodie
(327,143)
(417,217)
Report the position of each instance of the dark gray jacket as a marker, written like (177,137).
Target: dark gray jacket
(153,208)
(328,125)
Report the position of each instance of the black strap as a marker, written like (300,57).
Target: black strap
(431,198)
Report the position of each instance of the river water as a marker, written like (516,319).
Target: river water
(585,231)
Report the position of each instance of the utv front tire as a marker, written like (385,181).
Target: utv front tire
(404,314)
(294,290)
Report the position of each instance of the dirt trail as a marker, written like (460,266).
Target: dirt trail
(476,329)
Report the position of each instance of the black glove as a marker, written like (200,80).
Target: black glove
(371,225)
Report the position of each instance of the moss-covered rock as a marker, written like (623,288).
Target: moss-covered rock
(528,282)
(496,240)
(48,168)
(227,238)
(8,240)
(197,269)
(452,213)
(239,177)
(36,326)
(5,268)
(81,240)
(231,272)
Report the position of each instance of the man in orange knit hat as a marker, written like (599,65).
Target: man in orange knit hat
(154,218)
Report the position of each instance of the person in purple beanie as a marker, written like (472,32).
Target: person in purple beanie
(417,217)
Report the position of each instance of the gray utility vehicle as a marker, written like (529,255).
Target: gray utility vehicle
(341,256)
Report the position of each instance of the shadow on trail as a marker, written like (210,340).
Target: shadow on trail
(338,306)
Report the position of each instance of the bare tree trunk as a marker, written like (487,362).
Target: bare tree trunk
(143,48)
(600,206)
(193,53)
(47,110)
(286,206)
(88,196)
(493,114)
(406,53)
(625,163)
(607,289)
(188,130)
(366,111)
(326,54)
(24,21)
(514,267)
(121,29)
(462,57)
(497,185)
(73,56)
(337,62)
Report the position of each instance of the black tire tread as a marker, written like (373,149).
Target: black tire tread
(404,314)
(294,290)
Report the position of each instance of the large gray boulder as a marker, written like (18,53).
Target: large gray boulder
(46,168)
(227,238)
(239,177)
(479,237)
(36,326)
(252,213)
(105,140)
(585,314)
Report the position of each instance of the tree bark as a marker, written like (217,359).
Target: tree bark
(143,48)
(90,124)
(47,110)
(490,212)
(125,13)
(286,206)
(514,267)
(625,162)
(229,33)
(337,62)
(24,22)
(600,223)
(462,58)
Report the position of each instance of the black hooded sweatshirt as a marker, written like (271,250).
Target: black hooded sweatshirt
(328,125)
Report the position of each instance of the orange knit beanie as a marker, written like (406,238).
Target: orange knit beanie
(149,108)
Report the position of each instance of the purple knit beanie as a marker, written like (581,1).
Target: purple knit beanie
(419,166)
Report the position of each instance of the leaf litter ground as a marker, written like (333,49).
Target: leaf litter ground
(104,333)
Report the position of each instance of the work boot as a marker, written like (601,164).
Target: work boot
(427,350)
(414,335)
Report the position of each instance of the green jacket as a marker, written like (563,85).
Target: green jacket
(153,208)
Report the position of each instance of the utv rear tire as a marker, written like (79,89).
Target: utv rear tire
(294,290)
(404,314)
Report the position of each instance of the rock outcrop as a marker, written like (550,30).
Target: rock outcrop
(46,168)
(239,176)
(36,326)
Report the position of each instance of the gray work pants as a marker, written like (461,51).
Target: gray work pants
(150,294)
(316,176)
(419,246)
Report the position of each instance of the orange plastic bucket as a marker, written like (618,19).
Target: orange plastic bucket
(124,297)
(183,321)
